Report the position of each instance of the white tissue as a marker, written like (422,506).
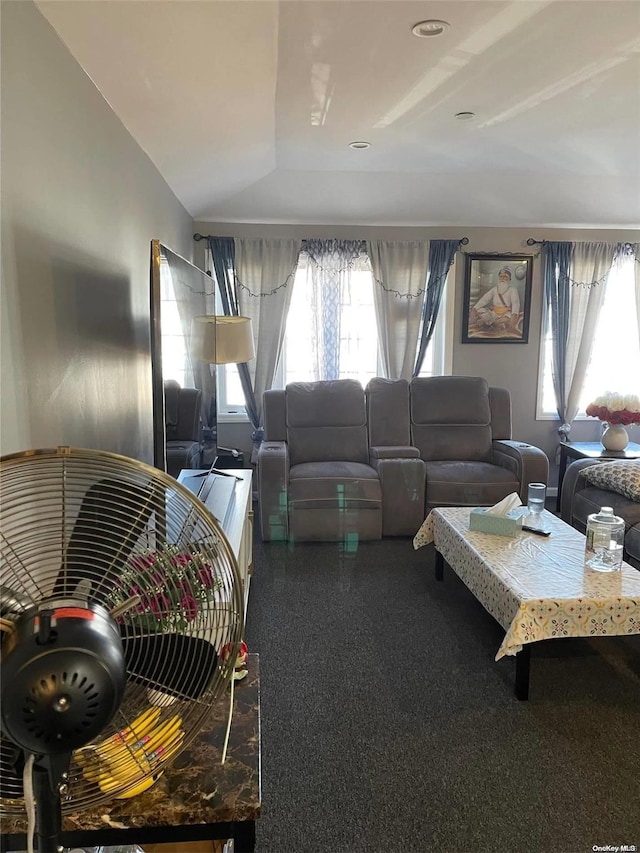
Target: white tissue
(506,505)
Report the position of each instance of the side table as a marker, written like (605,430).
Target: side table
(196,799)
(590,450)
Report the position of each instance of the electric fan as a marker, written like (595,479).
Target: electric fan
(121,610)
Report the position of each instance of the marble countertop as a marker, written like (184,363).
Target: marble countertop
(197,788)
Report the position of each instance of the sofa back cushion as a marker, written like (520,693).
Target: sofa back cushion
(326,422)
(451,418)
(181,412)
(388,412)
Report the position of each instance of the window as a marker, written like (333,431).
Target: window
(358,347)
(617,332)
(359,356)
(175,364)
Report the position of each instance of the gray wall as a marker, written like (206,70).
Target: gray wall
(81,203)
(512,366)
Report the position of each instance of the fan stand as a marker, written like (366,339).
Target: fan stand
(49,783)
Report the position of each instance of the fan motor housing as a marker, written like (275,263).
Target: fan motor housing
(63,676)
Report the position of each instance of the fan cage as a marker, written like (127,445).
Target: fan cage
(103,528)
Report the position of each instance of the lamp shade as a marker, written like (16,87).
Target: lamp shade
(222,339)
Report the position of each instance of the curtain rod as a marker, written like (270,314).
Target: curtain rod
(532,242)
(197,237)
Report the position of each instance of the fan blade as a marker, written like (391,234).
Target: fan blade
(111,519)
(13,602)
(172,663)
(11,767)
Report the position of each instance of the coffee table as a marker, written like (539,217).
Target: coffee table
(535,587)
(590,450)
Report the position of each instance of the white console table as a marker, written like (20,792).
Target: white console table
(229,498)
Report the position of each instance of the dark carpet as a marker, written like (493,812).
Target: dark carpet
(388,727)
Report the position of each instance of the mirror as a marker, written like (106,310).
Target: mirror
(184,391)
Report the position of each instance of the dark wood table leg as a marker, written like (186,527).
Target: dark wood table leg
(562,467)
(244,836)
(523,661)
(439,566)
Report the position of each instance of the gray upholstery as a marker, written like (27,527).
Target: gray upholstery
(182,426)
(579,499)
(314,477)
(326,421)
(397,461)
(388,412)
(451,418)
(462,428)
(339,464)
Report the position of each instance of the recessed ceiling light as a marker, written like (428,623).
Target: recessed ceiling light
(465,116)
(359,146)
(425,29)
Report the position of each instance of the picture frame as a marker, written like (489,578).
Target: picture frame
(497,299)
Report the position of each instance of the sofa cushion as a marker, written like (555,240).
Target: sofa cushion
(591,499)
(632,545)
(388,412)
(621,476)
(451,418)
(468,484)
(331,403)
(326,421)
(328,485)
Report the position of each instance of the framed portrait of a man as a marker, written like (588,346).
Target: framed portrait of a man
(497,299)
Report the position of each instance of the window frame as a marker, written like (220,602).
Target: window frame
(543,414)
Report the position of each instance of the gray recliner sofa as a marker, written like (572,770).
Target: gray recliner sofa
(339,463)
(318,478)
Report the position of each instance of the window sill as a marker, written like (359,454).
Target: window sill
(233,418)
(548,416)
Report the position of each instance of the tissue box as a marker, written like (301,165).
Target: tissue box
(501,525)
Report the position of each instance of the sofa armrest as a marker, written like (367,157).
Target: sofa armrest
(403,482)
(572,483)
(528,463)
(273,499)
(393,452)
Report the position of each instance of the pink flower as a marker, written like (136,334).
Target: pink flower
(142,561)
(615,409)
(160,605)
(190,607)
(205,576)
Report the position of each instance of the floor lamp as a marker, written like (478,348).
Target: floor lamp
(222,339)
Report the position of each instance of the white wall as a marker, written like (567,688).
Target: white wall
(511,366)
(81,203)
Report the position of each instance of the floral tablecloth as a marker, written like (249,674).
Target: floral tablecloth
(535,587)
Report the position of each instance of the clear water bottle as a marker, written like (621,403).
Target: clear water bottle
(605,541)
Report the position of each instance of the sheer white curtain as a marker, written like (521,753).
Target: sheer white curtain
(400,273)
(190,304)
(330,277)
(590,266)
(265,270)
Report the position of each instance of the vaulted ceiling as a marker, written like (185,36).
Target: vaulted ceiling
(248,108)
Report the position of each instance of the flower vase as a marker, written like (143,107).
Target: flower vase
(614,437)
